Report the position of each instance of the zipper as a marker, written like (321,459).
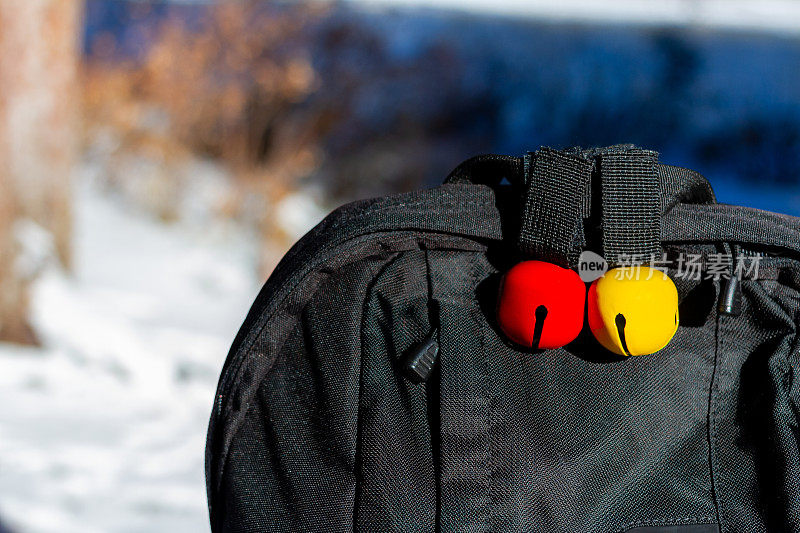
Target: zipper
(418,364)
(730,302)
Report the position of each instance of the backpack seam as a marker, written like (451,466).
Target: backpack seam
(716,481)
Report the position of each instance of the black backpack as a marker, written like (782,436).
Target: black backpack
(371,389)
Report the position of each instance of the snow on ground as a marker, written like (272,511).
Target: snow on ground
(771,15)
(103,429)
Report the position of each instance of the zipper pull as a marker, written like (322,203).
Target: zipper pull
(730,302)
(418,364)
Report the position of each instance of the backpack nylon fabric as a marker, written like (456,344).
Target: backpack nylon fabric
(315,428)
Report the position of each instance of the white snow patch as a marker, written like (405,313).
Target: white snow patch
(298,212)
(780,16)
(103,429)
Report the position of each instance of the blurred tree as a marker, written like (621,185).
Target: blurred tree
(39,53)
(220,85)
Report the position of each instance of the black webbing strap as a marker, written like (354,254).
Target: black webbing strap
(556,185)
(631,205)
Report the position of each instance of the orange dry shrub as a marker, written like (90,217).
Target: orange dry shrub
(128,128)
(222,89)
(224,83)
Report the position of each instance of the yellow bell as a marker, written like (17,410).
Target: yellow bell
(633,310)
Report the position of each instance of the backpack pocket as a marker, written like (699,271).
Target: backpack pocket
(754,424)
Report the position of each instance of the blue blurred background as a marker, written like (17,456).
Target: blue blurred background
(158,158)
(428,87)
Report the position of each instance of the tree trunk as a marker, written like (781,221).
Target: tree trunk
(39,54)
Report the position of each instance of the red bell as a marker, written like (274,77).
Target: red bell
(541,305)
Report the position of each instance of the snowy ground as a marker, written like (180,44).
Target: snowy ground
(779,16)
(103,429)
